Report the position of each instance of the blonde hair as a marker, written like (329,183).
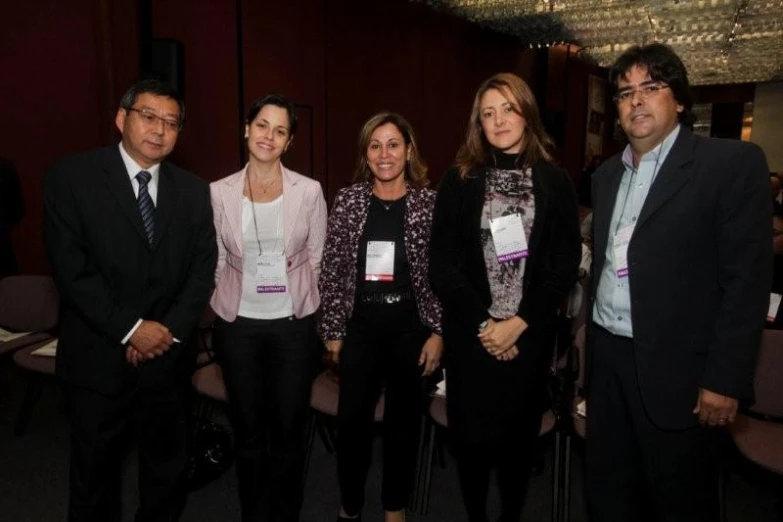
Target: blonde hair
(415,168)
(536,143)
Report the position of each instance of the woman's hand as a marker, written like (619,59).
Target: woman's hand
(333,347)
(509,354)
(430,354)
(499,336)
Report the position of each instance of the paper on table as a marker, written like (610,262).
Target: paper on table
(47,350)
(440,389)
(581,409)
(6,336)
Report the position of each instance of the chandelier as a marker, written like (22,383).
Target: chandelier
(720,41)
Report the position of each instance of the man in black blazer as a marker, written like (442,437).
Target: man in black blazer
(682,270)
(132,247)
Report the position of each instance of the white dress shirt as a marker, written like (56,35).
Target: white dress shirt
(133,169)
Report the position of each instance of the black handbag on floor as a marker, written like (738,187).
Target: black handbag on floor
(211,454)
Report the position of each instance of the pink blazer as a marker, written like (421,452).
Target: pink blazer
(304,232)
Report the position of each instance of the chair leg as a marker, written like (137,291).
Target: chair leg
(424,501)
(439,451)
(556,479)
(31,396)
(414,500)
(203,410)
(309,451)
(567,481)
(326,434)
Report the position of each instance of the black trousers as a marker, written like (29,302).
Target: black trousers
(512,463)
(635,470)
(371,356)
(98,426)
(268,367)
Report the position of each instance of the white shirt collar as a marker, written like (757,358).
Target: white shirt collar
(133,168)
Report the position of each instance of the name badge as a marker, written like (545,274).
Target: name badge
(774,305)
(620,247)
(379,265)
(271,273)
(508,236)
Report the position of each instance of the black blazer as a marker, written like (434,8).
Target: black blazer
(489,401)
(700,272)
(457,268)
(109,276)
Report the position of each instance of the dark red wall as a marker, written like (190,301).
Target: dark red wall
(341,60)
(64,66)
(208,144)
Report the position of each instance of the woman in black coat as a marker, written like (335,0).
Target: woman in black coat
(505,253)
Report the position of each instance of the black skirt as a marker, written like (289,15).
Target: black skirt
(492,401)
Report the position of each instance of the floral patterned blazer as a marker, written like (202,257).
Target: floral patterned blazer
(337,284)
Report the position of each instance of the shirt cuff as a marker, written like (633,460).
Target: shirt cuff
(130,334)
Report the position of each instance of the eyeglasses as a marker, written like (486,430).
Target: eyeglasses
(645,90)
(151,118)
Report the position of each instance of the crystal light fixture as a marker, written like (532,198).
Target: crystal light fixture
(720,41)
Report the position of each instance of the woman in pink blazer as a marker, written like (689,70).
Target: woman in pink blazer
(271,227)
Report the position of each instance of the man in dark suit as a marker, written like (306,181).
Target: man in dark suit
(682,271)
(132,247)
(11,213)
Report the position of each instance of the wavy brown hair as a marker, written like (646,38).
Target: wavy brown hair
(536,143)
(415,168)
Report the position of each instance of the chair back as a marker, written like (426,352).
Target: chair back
(768,379)
(28,303)
(579,345)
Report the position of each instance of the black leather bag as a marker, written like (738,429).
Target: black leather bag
(211,454)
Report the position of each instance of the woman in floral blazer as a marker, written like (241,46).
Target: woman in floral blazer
(381,320)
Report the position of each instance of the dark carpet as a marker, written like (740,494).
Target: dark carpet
(33,476)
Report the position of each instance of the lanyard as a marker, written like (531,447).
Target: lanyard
(255,222)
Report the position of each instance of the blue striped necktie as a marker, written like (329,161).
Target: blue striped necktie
(146,206)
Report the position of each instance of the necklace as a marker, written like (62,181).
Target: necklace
(255,222)
(264,189)
(387,204)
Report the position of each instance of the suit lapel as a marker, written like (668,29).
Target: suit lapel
(233,205)
(671,177)
(165,204)
(292,204)
(119,184)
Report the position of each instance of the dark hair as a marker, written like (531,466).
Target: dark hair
(415,168)
(277,101)
(476,151)
(156,88)
(663,65)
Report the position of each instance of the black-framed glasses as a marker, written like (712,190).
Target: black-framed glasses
(645,90)
(151,118)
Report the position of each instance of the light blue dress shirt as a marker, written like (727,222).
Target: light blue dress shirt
(613,296)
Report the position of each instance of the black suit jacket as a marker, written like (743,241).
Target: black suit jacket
(700,272)
(109,276)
